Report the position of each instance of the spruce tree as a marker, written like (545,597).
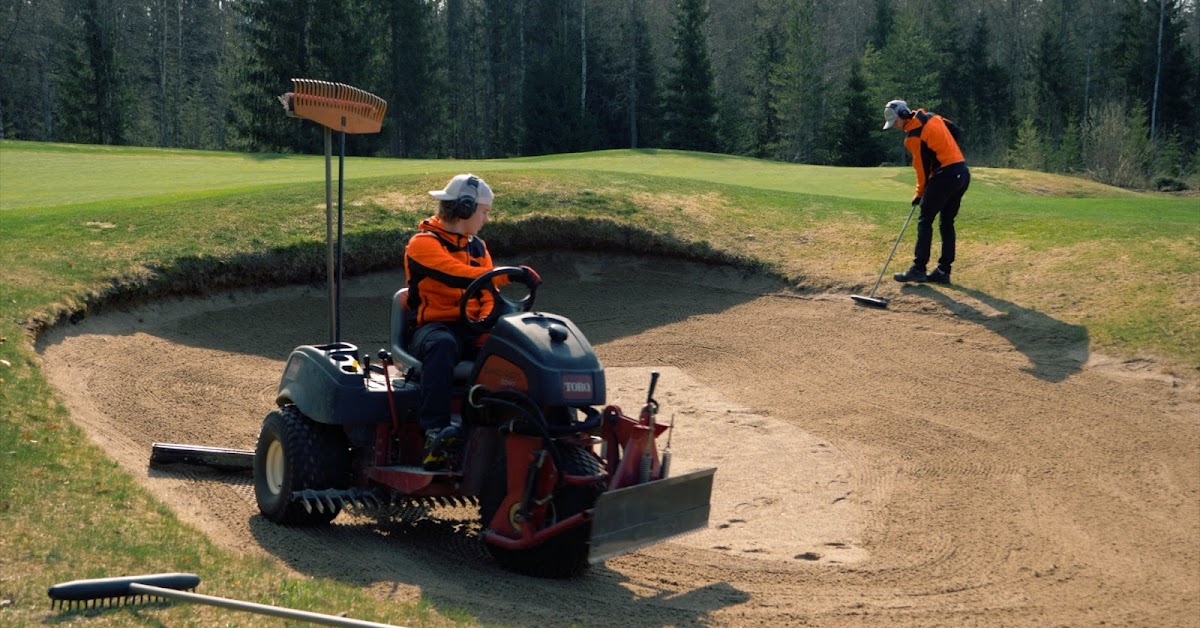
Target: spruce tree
(276,52)
(767,54)
(1140,57)
(408,82)
(856,143)
(800,89)
(690,116)
(987,117)
(92,108)
(641,103)
(552,116)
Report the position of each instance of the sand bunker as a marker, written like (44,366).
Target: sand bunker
(953,459)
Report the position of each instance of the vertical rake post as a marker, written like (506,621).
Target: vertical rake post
(349,110)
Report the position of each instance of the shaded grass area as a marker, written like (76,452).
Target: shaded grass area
(1121,265)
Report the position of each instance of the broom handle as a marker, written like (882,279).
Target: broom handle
(889,259)
(251,607)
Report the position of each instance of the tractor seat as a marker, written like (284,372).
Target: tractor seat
(402,331)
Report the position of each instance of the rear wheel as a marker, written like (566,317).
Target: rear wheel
(562,556)
(295,453)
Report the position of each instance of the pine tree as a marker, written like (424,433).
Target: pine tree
(190,42)
(987,112)
(507,74)
(881,26)
(606,115)
(276,52)
(856,143)
(946,37)
(1155,68)
(641,95)
(910,66)
(552,117)
(1055,72)
(766,55)
(799,88)
(466,72)
(1068,156)
(690,115)
(1029,153)
(408,84)
(92,107)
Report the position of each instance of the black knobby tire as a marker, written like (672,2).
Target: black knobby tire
(565,555)
(295,453)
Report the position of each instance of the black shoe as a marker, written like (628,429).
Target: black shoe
(441,447)
(914,273)
(939,276)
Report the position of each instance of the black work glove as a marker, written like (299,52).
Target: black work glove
(531,274)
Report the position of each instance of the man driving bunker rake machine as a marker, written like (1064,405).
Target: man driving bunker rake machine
(560,484)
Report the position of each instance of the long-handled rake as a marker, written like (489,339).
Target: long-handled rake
(350,110)
(109,592)
(871,299)
(335,107)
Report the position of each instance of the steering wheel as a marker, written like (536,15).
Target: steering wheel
(501,304)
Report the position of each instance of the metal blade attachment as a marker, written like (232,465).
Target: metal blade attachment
(217,457)
(638,516)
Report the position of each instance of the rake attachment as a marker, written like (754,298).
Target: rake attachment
(221,458)
(105,592)
(332,499)
(108,592)
(334,105)
(871,300)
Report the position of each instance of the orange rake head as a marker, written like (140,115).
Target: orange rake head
(334,105)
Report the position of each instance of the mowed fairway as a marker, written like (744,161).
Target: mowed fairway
(1020,448)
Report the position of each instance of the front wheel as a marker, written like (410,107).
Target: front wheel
(562,556)
(295,453)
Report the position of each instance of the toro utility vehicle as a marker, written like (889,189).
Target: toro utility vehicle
(561,479)
(559,483)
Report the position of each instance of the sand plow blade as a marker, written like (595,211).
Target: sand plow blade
(630,518)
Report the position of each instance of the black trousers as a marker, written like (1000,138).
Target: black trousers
(439,346)
(943,195)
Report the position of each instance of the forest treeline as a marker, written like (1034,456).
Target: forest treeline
(1103,88)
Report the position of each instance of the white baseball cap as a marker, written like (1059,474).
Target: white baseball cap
(894,110)
(474,186)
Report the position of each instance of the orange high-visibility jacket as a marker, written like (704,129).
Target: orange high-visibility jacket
(440,264)
(931,145)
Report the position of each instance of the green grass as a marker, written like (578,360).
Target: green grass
(82,225)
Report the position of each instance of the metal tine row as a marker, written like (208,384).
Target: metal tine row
(329,500)
(108,602)
(441,500)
